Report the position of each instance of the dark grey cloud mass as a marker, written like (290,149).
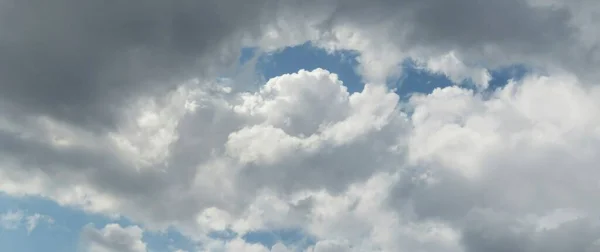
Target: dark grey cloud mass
(488,32)
(79,60)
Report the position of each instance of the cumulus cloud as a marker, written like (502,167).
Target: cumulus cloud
(507,163)
(112,238)
(237,144)
(457,72)
(117,109)
(359,175)
(239,244)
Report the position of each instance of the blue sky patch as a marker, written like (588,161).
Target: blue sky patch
(308,57)
(502,75)
(417,80)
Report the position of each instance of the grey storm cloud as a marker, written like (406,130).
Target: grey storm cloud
(79,60)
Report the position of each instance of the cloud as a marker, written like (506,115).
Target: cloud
(239,244)
(11,220)
(54,63)
(330,246)
(216,144)
(86,73)
(500,167)
(116,109)
(112,237)
(547,34)
(34,220)
(17,219)
(457,72)
(358,174)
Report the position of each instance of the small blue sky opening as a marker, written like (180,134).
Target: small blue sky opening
(502,75)
(417,80)
(307,57)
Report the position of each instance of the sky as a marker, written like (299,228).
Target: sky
(311,126)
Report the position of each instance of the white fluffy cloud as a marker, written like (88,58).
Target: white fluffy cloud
(457,71)
(112,238)
(239,244)
(359,172)
(236,144)
(506,163)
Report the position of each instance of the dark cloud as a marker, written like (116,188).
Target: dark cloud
(80,60)
(540,33)
(486,230)
(475,23)
(513,27)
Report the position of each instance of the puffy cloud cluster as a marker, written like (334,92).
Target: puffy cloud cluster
(234,145)
(501,167)
(116,109)
(357,172)
(112,238)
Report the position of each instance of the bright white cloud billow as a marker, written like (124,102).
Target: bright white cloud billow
(135,119)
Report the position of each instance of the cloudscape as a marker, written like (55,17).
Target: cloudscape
(299,125)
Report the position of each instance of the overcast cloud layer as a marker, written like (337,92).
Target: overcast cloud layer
(116,108)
